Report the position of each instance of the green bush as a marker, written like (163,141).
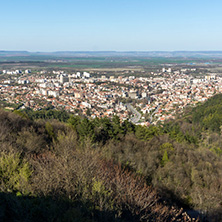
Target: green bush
(14,173)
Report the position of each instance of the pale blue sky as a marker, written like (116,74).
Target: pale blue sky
(121,25)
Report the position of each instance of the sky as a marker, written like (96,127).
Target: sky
(111,25)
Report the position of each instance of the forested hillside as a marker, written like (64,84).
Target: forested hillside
(56,166)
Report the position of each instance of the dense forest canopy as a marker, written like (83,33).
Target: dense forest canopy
(56,166)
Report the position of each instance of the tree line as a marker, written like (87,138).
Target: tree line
(64,167)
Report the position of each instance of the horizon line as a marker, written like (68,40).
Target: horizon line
(57,51)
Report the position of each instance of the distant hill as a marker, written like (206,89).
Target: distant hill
(206,117)
(209,115)
(191,54)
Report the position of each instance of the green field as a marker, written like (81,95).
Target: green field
(92,62)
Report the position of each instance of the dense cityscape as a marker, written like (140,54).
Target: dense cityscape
(143,100)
